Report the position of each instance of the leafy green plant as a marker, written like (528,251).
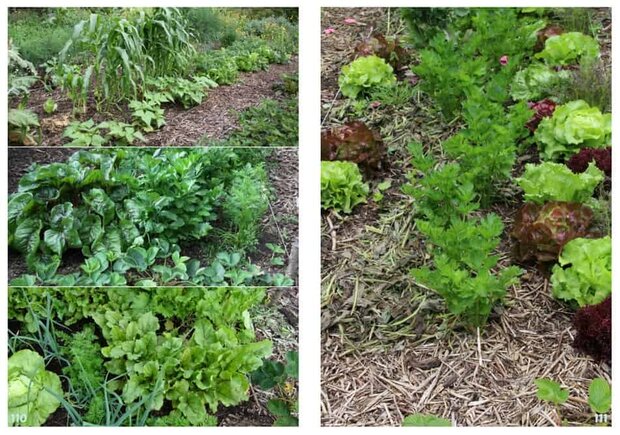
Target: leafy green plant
(21,121)
(34,392)
(121,133)
(50,106)
(342,187)
(542,230)
(22,73)
(365,74)
(147,114)
(556,182)
(276,254)
(245,204)
(125,49)
(573,126)
(425,420)
(271,123)
(536,81)
(189,348)
(86,372)
(219,66)
(466,57)
(551,391)
(599,396)
(188,93)
(569,49)
(583,275)
(469,293)
(84,134)
(75,82)
(128,210)
(282,378)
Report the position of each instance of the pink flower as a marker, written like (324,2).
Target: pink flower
(329,30)
(375,104)
(350,21)
(503,60)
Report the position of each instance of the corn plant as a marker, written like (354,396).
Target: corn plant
(128,48)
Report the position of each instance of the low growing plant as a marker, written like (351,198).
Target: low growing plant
(21,124)
(569,48)
(34,393)
(556,182)
(84,134)
(364,75)
(342,187)
(583,274)
(573,126)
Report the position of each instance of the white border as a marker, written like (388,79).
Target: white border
(309,204)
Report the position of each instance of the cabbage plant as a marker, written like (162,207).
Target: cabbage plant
(34,392)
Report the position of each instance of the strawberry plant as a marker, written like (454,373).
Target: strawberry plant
(280,377)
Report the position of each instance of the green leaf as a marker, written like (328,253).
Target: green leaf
(27,235)
(556,182)
(287,421)
(278,407)
(583,275)
(599,396)
(292,364)
(33,391)
(269,375)
(55,241)
(342,187)
(100,203)
(425,420)
(551,391)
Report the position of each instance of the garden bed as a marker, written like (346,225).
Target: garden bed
(389,347)
(275,320)
(277,227)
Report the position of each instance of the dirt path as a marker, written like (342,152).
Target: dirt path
(214,118)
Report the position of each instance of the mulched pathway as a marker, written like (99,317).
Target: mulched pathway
(214,118)
(387,349)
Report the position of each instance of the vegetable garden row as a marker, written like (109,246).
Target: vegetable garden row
(118,217)
(504,116)
(156,357)
(122,70)
(152,285)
